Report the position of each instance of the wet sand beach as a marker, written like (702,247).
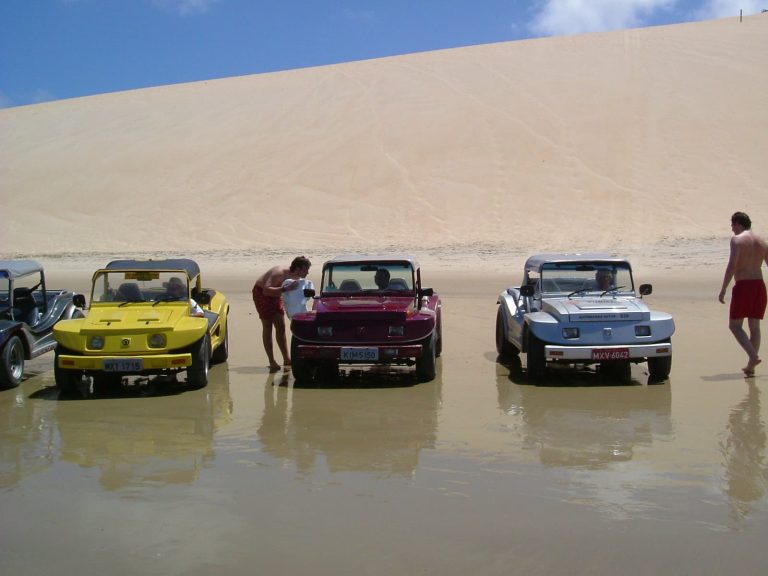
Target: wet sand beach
(478,471)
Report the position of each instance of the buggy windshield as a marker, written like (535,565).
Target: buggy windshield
(585,277)
(140,286)
(369,277)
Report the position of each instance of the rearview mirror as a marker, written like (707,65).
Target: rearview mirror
(526,290)
(428,292)
(78,300)
(309,292)
(645,289)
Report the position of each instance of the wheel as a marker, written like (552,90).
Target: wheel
(619,371)
(659,368)
(222,352)
(504,347)
(439,342)
(68,381)
(300,367)
(197,374)
(537,362)
(426,365)
(12,360)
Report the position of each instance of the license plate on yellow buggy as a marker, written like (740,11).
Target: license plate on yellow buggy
(123,365)
(360,354)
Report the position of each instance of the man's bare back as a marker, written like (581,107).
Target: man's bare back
(273,278)
(749,252)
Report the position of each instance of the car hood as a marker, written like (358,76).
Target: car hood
(596,309)
(374,305)
(133,317)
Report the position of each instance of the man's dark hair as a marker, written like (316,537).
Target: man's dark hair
(742,220)
(300,262)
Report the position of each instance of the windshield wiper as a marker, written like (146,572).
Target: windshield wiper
(166,299)
(615,289)
(579,291)
(130,302)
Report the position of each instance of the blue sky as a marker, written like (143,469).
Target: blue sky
(55,49)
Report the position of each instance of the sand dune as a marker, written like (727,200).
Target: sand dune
(606,141)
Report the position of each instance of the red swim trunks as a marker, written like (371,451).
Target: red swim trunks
(267,306)
(748,299)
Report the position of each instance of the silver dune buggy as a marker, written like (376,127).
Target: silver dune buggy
(582,309)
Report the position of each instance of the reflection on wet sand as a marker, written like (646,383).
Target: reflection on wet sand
(159,434)
(374,421)
(577,420)
(27,442)
(746,468)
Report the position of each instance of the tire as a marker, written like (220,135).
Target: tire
(68,381)
(300,367)
(439,342)
(221,353)
(426,365)
(197,374)
(12,363)
(537,362)
(504,347)
(659,368)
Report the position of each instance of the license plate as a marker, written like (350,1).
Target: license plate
(123,365)
(360,354)
(612,354)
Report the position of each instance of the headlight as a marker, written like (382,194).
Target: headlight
(157,341)
(570,333)
(396,330)
(642,330)
(96,342)
(325,330)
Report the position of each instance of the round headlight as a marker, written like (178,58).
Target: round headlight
(96,342)
(157,340)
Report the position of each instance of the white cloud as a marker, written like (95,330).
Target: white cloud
(559,17)
(185,7)
(730,8)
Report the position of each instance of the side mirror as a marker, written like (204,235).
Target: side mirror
(309,292)
(645,289)
(78,300)
(428,292)
(203,298)
(527,290)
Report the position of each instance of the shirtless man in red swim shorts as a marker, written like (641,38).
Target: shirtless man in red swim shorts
(748,298)
(266,296)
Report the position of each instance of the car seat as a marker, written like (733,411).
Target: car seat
(129,292)
(349,286)
(24,306)
(398,284)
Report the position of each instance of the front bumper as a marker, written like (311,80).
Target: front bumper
(150,364)
(360,354)
(637,352)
